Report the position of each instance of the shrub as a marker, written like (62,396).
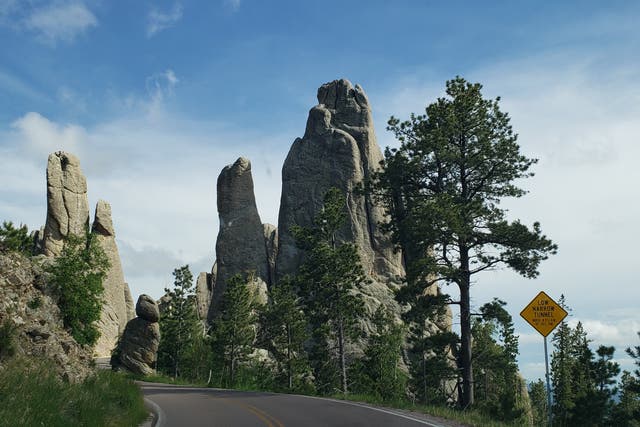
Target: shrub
(15,239)
(76,278)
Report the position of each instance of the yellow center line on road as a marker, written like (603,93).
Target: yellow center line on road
(265,417)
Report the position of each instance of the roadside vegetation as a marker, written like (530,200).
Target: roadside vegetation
(31,394)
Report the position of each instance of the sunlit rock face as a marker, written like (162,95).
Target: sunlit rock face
(240,247)
(67,203)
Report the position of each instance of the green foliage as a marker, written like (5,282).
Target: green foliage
(35,303)
(539,403)
(180,330)
(626,413)
(442,189)
(328,281)
(379,371)
(233,331)
(32,395)
(76,278)
(583,381)
(495,348)
(15,239)
(7,339)
(283,330)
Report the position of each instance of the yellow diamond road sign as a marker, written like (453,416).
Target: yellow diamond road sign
(543,313)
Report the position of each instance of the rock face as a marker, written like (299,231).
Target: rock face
(138,347)
(115,311)
(27,306)
(67,204)
(240,247)
(338,149)
(204,286)
(271,245)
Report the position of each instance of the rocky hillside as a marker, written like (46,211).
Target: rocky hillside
(33,318)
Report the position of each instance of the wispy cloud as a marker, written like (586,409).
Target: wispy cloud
(158,21)
(233,5)
(60,21)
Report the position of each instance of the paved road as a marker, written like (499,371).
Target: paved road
(188,406)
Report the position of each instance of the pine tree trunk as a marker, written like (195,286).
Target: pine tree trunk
(343,366)
(465,329)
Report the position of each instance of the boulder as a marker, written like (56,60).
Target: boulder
(240,247)
(67,203)
(138,347)
(147,308)
(115,315)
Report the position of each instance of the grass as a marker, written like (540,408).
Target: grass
(31,394)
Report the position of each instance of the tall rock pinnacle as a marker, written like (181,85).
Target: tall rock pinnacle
(116,310)
(339,149)
(240,248)
(67,204)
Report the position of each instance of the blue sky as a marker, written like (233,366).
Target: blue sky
(157,97)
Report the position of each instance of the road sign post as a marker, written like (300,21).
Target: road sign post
(544,314)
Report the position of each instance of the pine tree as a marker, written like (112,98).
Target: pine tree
(442,189)
(380,368)
(539,403)
(283,330)
(234,329)
(328,281)
(179,325)
(16,239)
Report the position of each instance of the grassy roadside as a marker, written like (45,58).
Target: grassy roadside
(31,394)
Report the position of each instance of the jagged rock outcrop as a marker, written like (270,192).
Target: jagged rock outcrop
(31,312)
(204,286)
(240,247)
(338,149)
(115,313)
(271,246)
(67,204)
(138,347)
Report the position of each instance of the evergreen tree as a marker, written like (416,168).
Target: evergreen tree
(179,325)
(539,403)
(380,371)
(234,329)
(15,239)
(495,348)
(442,190)
(283,330)
(328,281)
(76,277)
(626,413)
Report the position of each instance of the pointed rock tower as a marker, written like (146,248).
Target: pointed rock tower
(117,309)
(240,247)
(67,203)
(338,149)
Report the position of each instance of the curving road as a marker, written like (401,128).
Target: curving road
(189,406)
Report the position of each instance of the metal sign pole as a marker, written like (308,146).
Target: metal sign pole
(546,363)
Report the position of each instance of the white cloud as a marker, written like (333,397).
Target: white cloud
(40,136)
(60,21)
(159,86)
(158,21)
(233,5)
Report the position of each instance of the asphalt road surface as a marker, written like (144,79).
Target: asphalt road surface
(189,406)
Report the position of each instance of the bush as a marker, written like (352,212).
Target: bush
(15,239)
(31,394)
(7,335)
(76,277)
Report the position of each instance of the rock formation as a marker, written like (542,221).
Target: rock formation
(204,286)
(240,247)
(138,347)
(271,245)
(115,313)
(27,306)
(67,204)
(338,149)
